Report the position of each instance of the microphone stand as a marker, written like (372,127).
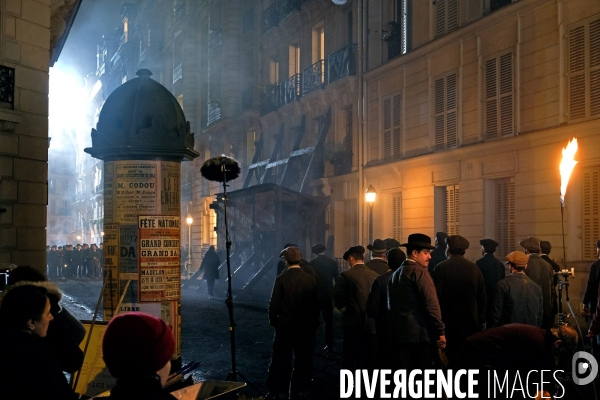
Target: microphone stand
(234,373)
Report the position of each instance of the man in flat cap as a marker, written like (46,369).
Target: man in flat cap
(350,297)
(378,261)
(541,273)
(590,298)
(327,270)
(461,292)
(518,298)
(439,253)
(493,271)
(293,314)
(414,318)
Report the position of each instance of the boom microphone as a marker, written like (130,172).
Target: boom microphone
(220,169)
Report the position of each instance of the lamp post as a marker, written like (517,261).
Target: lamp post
(189,220)
(370,196)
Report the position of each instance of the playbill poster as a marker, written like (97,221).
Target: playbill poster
(159,262)
(140,187)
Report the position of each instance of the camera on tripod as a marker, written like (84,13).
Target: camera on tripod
(565,273)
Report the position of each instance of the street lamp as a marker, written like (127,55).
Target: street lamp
(189,220)
(370,196)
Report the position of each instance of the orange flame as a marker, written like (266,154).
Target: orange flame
(566,167)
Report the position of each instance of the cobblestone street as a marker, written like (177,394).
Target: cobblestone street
(205,337)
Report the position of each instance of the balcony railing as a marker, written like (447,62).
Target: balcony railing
(341,64)
(270,99)
(214,111)
(290,89)
(278,11)
(215,39)
(313,77)
(7,87)
(177,73)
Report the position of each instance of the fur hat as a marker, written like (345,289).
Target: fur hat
(136,344)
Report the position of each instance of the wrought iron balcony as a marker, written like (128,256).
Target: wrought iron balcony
(7,87)
(270,17)
(177,73)
(313,77)
(215,39)
(290,89)
(341,64)
(214,111)
(270,99)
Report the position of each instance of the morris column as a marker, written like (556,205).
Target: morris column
(142,136)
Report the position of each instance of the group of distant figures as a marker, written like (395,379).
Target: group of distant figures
(426,308)
(81,261)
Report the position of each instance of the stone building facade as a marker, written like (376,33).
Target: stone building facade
(456,113)
(32,35)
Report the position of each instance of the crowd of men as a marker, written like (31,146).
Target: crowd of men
(428,307)
(80,261)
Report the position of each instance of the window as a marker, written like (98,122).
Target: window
(446,17)
(584,69)
(273,72)
(445,112)
(498,91)
(474,10)
(505,215)
(294,57)
(397,216)
(392,127)
(591,212)
(374,25)
(452,205)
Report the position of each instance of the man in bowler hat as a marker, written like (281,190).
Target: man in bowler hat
(327,270)
(378,261)
(541,273)
(439,252)
(350,297)
(493,271)
(415,319)
(461,293)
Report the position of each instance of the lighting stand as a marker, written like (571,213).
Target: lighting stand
(234,373)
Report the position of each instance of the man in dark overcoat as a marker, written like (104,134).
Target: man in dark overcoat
(210,267)
(493,271)
(78,261)
(439,252)
(350,297)
(293,314)
(590,298)
(546,248)
(327,270)
(414,318)
(518,298)
(461,292)
(541,273)
(378,262)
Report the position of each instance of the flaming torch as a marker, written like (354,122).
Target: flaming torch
(566,167)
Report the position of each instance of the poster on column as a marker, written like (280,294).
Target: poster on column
(111,269)
(159,262)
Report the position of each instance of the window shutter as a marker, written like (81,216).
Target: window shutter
(499,113)
(446,17)
(375,42)
(591,212)
(392,127)
(506,94)
(452,205)
(445,109)
(387,129)
(473,10)
(397,216)
(505,214)
(452,23)
(595,67)
(577,73)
